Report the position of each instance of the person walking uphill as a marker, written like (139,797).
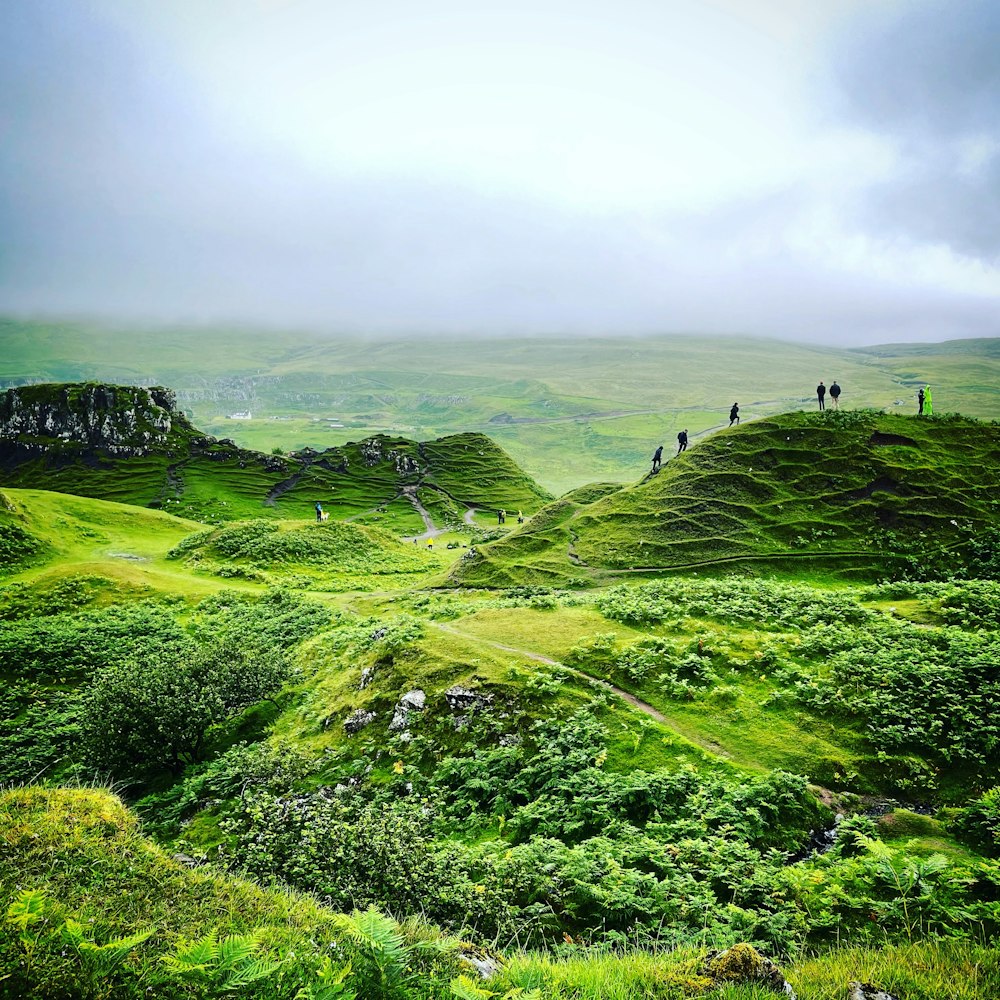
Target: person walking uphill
(835,395)
(734,415)
(682,441)
(656,458)
(821,395)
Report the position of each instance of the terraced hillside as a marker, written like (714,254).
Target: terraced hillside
(132,445)
(854,491)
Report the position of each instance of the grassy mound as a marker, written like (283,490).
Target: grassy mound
(332,550)
(854,490)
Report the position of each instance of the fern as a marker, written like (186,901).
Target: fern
(467,989)
(27,909)
(225,966)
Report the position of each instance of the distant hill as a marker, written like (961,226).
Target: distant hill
(854,490)
(133,445)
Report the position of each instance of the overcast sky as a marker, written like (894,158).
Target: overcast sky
(812,169)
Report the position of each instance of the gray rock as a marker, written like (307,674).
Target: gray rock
(865,991)
(367,676)
(357,721)
(412,701)
(461,699)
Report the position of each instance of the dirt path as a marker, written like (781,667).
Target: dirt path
(626,696)
(410,492)
(468,516)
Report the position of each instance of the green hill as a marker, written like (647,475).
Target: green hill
(856,491)
(132,445)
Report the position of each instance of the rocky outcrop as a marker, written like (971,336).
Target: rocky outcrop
(113,420)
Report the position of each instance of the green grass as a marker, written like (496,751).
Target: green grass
(811,493)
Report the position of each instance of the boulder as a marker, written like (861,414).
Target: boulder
(744,964)
(412,701)
(865,991)
(461,699)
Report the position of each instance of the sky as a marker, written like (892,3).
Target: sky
(817,170)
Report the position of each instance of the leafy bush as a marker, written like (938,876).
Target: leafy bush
(140,715)
(979,823)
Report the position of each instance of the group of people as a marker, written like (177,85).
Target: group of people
(925,405)
(502,517)
(834,395)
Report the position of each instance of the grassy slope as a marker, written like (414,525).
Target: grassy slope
(571,400)
(830,490)
(85,852)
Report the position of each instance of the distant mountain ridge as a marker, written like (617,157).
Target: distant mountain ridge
(132,444)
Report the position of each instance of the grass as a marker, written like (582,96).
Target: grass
(808,493)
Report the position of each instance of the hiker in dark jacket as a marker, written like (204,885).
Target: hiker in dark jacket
(920,401)
(656,458)
(821,395)
(682,441)
(835,394)
(734,415)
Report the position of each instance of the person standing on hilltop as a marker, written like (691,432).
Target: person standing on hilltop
(656,458)
(928,401)
(682,441)
(920,401)
(821,395)
(319,511)
(835,394)
(734,415)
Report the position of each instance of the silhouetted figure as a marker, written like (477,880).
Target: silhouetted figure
(656,458)
(835,395)
(920,401)
(734,415)
(682,441)
(821,395)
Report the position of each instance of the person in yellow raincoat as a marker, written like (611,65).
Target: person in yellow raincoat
(928,402)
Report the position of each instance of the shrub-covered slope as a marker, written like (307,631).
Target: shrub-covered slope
(132,445)
(854,489)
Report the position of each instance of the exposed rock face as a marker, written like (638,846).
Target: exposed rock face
(118,421)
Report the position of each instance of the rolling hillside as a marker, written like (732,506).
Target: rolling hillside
(132,445)
(848,490)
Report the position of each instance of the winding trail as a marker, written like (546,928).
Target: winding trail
(631,699)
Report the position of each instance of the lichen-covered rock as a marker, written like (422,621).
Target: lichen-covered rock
(357,721)
(744,964)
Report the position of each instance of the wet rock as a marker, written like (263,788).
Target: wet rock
(357,721)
